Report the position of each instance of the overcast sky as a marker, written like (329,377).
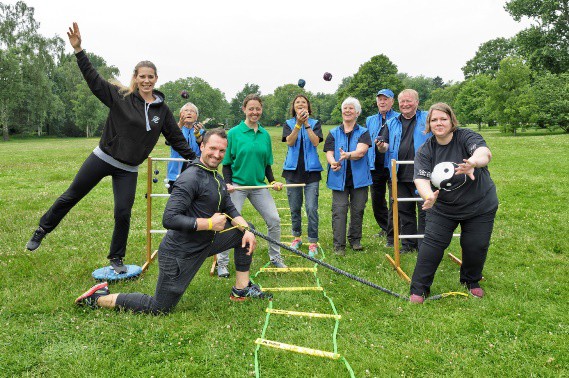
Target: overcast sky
(270,43)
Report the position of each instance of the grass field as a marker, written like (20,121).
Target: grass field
(520,328)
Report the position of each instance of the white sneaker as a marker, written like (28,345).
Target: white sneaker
(222,271)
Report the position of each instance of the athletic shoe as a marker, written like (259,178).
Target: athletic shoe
(118,265)
(35,242)
(312,249)
(89,298)
(251,291)
(278,262)
(357,247)
(407,249)
(414,298)
(340,251)
(477,292)
(296,243)
(222,271)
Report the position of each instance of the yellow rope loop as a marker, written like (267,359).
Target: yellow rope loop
(245,227)
(453,293)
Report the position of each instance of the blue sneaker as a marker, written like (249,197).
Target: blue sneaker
(312,249)
(251,291)
(89,298)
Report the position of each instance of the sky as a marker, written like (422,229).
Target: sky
(230,43)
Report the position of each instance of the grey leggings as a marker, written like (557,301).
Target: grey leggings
(175,274)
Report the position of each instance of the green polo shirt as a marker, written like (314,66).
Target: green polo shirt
(248,153)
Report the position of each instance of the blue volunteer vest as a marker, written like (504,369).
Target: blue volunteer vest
(311,161)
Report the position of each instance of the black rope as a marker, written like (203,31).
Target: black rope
(331,267)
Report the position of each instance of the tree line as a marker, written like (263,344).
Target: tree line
(513,83)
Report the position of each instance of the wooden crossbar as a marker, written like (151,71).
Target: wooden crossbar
(307,288)
(298,313)
(287,270)
(297,349)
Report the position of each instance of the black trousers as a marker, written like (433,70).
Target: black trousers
(90,174)
(411,216)
(474,241)
(175,274)
(378,202)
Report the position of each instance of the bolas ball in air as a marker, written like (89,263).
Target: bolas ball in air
(184,94)
(155,180)
(301,83)
(327,76)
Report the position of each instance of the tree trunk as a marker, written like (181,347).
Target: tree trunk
(4,123)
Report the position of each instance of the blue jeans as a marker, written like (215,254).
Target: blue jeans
(295,202)
(264,203)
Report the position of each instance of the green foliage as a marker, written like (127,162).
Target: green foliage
(508,93)
(488,57)
(422,84)
(377,73)
(470,102)
(236,105)
(210,101)
(551,96)
(446,94)
(546,43)
(322,106)
(277,105)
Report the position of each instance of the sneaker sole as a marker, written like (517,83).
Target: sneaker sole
(238,299)
(91,291)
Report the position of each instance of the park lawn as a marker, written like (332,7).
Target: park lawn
(519,329)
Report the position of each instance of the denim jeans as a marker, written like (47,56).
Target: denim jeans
(295,202)
(264,203)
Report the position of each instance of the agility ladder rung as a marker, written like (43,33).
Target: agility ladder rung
(308,288)
(287,270)
(298,313)
(297,349)
(420,236)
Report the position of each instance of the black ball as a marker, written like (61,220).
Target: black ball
(184,94)
(301,83)
(155,180)
(327,76)
(156,172)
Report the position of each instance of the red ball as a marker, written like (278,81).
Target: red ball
(184,94)
(327,76)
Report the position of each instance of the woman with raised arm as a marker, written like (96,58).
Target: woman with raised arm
(137,117)
(454,161)
(302,135)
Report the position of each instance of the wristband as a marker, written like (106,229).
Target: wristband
(297,126)
(209,224)
(307,127)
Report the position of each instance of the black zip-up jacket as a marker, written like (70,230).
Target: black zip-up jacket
(199,192)
(125,136)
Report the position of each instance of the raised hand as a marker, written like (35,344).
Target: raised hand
(75,37)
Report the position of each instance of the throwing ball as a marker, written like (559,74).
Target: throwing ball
(301,83)
(184,94)
(327,76)
(443,177)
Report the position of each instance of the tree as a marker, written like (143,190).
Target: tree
(35,57)
(377,73)
(446,94)
(438,82)
(552,92)
(211,102)
(546,43)
(512,80)
(322,106)
(488,57)
(470,100)
(235,112)
(277,110)
(422,84)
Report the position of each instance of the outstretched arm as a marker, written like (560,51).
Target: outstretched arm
(480,158)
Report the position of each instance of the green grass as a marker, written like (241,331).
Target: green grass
(519,329)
